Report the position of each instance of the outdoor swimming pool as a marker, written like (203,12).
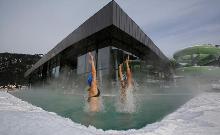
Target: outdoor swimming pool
(149,107)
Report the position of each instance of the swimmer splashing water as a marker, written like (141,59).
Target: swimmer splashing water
(93,91)
(125,80)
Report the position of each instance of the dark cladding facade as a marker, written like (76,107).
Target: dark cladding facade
(110,35)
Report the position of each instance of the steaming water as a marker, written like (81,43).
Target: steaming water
(139,110)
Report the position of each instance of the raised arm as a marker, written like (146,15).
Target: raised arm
(120,72)
(129,74)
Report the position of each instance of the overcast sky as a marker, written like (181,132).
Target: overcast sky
(36,26)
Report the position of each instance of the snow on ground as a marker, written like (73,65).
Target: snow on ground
(199,116)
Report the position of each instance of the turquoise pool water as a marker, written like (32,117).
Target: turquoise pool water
(149,107)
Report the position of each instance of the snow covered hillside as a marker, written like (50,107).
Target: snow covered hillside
(199,116)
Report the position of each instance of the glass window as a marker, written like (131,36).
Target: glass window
(104,58)
(57,71)
(81,64)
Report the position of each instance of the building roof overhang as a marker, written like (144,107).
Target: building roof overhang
(110,16)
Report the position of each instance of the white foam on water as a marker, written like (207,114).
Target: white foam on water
(129,105)
(199,116)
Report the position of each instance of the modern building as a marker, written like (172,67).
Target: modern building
(111,35)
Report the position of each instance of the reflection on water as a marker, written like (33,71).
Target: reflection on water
(147,107)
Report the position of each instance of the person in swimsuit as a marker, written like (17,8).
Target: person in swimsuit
(125,80)
(93,91)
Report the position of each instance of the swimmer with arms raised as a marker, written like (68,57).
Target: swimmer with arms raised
(126,80)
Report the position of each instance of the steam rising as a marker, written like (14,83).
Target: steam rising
(184,84)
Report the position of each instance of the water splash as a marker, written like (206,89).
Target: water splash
(128,105)
(100,105)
